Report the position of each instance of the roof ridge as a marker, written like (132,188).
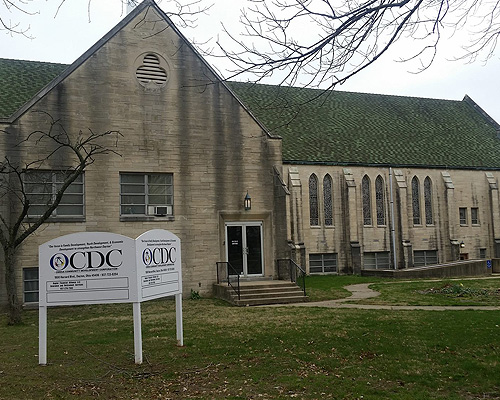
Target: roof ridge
(32,61)
(344,91)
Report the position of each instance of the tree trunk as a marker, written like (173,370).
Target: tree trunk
(14,307)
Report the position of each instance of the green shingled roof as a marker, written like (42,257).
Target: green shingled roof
(356,128)
(21,80)
(331,127)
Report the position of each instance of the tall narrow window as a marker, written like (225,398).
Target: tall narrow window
(379,200)
(462,215)
(327,200)
(365,191)
(428,201)
(30,283)
(474,216)
(313,200)
(415,193)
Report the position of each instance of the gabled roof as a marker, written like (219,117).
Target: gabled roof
(50,84)
(23,96)
(345,128)
(317,127)
(21,80)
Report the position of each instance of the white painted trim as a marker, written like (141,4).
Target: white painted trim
(244,224)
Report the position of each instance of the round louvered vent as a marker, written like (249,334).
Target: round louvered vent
(151,74)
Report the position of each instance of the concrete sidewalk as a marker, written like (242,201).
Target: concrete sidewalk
(362,291)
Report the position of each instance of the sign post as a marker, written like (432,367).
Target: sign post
(137,333)
(178,319)
(42,335)
(101,267)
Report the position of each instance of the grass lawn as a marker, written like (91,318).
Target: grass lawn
(255,353)
(331,287)
(456,292)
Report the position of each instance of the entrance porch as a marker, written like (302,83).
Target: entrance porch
(260,292)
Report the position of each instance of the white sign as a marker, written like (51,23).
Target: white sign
(88,268)
(158,262)
(102,267)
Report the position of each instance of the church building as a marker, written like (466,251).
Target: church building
(243,173)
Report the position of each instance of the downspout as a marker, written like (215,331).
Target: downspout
(393,229)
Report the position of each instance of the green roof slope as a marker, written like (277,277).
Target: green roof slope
(330,127)
(20,80)
(356,128)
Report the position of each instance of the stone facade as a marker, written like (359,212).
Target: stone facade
(435,228)
(192,127)
(183,121)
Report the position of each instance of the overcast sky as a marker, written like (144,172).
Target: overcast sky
(63,38)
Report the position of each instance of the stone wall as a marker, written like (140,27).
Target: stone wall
(451,190)
(192,127)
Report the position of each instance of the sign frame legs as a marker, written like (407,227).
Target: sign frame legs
(42,335)
(178,317)
(137,333)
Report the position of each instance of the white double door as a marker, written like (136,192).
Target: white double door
(244,247)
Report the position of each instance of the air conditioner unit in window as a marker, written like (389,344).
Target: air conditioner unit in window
(159,211)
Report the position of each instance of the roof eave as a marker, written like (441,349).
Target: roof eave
(389,165)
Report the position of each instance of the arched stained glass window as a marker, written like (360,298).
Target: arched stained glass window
(428,201)
(379,200)
(327,200)
(415,195)
(365,192)
(313,200)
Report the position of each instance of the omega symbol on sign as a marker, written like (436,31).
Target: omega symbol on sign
(59,261)
(147,256)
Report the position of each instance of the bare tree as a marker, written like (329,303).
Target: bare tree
(184,13)
(325,42)
(9,12)
(18,220)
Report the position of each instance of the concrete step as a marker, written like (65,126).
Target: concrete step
(270,290)
(271,300)
(261,293)
(265,285)
(267,295)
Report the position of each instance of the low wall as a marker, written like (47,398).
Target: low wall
(451,270)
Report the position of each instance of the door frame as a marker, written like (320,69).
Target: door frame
(244,224)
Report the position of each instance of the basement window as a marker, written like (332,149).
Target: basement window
(421,258)
(377,260)
(322,263)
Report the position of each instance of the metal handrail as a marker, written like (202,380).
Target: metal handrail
(229,268)
(293,270)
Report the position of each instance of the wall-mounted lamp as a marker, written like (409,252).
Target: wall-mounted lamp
(462,244)
(247,202)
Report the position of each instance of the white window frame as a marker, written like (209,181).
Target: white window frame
(25,281)
(328,262)
(147,204)
(429,257)
(463,219)
(381,259)
(474,219)
(483,253)
(78,183)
